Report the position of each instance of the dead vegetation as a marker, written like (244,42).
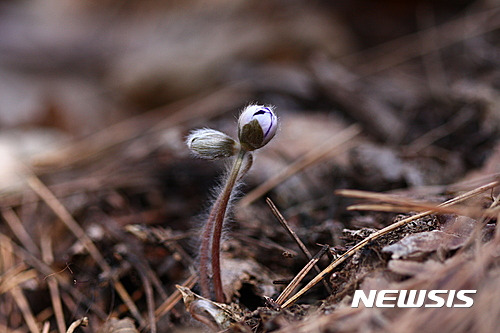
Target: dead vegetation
(101,204)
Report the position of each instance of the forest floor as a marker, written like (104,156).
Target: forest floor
(384,173)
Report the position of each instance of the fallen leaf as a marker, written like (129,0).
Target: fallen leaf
(422,243)
(114,325)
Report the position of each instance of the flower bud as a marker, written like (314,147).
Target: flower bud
(211,144)
(257,125)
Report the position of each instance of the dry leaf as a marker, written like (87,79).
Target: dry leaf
(422,243)
(114,325)
(217,316)
(238,272)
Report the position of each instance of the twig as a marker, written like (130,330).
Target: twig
(472,212)
(48,258)
(296,238)
(80,322)
(46,327)
(374,196)
(155,280)
(163,237)
(148,290)
(298,278)
(266,243)
(397,204)
(22,304)
(57,207)
(5,243)
(383,231)
(18,229)
(15,276)
(469,184)
(337,143)
(15,290)
(286,226)
(175,297)
(148,278)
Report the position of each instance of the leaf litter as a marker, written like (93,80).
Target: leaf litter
(104,226)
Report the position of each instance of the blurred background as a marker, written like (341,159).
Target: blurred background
(96,98)
(69,69)
(79,66)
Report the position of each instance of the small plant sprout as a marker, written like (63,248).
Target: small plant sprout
(257,125)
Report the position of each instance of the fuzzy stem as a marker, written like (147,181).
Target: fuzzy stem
(220,212)
(204,250)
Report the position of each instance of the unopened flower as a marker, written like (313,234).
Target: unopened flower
(257,125)
(211,144)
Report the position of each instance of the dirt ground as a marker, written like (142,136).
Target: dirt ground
(384,173)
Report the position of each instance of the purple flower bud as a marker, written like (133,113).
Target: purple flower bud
(257,125)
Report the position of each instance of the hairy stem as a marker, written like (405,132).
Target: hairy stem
(219,212)
(205,252)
